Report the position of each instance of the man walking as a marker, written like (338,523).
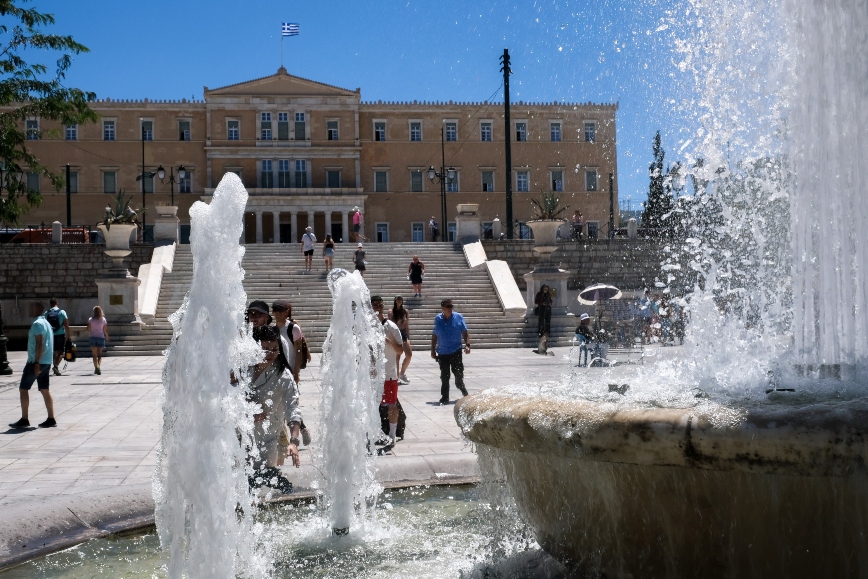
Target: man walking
(449,328)
(308,242)
(435,229)
(40,343)
(392,352)
(59,322)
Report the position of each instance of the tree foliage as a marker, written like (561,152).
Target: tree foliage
(28,91)
(660,203)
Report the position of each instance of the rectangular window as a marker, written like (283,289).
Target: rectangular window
(522,181)
(488,181)
(109,182)
(452,184)
(232,130)
(300,130)
(380,131)
(183,130)
(185,183)
(415,131)
(382,232)
(380,181)
(147,130)
(557,180)
(417,232)
(416,181)
(301,174)
(73,182)
(590,180)
(283,178)
(282,126)
(32,129)
(33,181)
(266,174)
(485,132)
(148,182)
(590,132)
(265,126)
(332,130)
(593,229)
(521,132)
(451,231)
(555,132)
(71,132)
(108,130)
(333,179)
(451,131)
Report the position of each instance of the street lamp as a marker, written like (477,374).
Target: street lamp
(161,173)
(443,177)
(145,174)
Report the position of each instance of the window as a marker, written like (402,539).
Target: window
(33,181)
(416,181)
(147,130)
(148,182)
(300,131)
(590,180)
(109,182)
(380,131)
(590,131)
(380,181)
(416,131)
(593,229)
(417,232)
(73,182)
(382,232)
(451,231)
(557,180)
(333,179)
(521,132)
(301,174)
(488,181)
(451,131)
(266,176)
(265,126)
(555,130)
(185,183)
(71,132)
(283,174)
(32,129)
(282,126)
(522,181)
(452,184)
(332,130)
(232,130)
(485,132)
(183,130)
(108,130)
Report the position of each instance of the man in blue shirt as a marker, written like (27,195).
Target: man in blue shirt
(40,343)
(449,328)
(60,324)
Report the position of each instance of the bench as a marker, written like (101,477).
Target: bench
(637,350)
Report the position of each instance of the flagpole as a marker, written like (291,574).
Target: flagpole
(281,49)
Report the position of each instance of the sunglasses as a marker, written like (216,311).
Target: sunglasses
(274,350)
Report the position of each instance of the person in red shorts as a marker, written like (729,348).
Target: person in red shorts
(393,351)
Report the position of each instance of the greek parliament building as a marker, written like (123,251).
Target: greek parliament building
(308,153)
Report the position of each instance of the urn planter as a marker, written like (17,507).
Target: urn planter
(545,235)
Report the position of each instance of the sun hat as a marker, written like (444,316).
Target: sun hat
(360,245)
(308,228)
(584,317)
(258,306)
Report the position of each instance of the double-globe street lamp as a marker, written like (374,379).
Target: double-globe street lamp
(160,173)
(444,177)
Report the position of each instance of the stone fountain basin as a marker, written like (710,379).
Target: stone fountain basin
(671,492)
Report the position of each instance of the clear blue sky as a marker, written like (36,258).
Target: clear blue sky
(562,50)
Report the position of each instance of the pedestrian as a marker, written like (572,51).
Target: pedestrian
(435,229)
(577,224)
(415,273)
(328,251)
(358,224)
(293,343)
(543,301)
(97,328)
(392,352)
(59,322)
(401,317)
(308,242)
(40,346)
(449,328)
(585,337)
(359,259)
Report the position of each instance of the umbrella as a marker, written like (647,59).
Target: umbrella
(599,291)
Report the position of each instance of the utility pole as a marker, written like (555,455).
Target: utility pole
(68,199)
(505,68)
(611,206)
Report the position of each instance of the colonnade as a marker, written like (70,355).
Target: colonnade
(276,213)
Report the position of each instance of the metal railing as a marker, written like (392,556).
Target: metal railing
(42,234)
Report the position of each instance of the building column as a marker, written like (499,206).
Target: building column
(293,224)
(358,174)
(259,227)
(328,219)
(276,216)
(310,215)
(345,225)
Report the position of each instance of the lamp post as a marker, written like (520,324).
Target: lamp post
(145,174)
(443,177)
(161,173)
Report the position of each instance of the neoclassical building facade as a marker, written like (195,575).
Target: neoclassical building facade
(309,153)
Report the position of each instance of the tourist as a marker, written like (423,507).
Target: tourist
(401,318)
(358,225)
(97,328)
(393,351)
(543,302)
(449,328)
(435,229)
(40,344)
(295,350)
(257,314)
(274,390)
(308,242)
(585,337)
(59,323)
(578,224)
(359,259)
(415,273)
(328,252)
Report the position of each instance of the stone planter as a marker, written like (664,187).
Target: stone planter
(468,208)
(545,235)
(166,211)
(117,244)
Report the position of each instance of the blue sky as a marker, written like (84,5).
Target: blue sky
(562,50)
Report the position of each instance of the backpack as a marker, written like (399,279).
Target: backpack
(305,351)
(53,317)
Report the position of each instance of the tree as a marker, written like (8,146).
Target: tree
(28,91)
(659,204)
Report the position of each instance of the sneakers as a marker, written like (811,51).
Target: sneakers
(463,390)
(23,423)
(305,436)
(49,423)
(402,379)
(444,401)
(97,371)
(56,371)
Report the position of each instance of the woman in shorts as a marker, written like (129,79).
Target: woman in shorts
(401,317)
(97,328)
(328,252)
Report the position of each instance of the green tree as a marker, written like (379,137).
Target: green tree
(659,205)
(29,91)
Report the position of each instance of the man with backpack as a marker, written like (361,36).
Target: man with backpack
(59,323)
(295,347)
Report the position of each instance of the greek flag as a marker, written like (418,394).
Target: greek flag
(289,29)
